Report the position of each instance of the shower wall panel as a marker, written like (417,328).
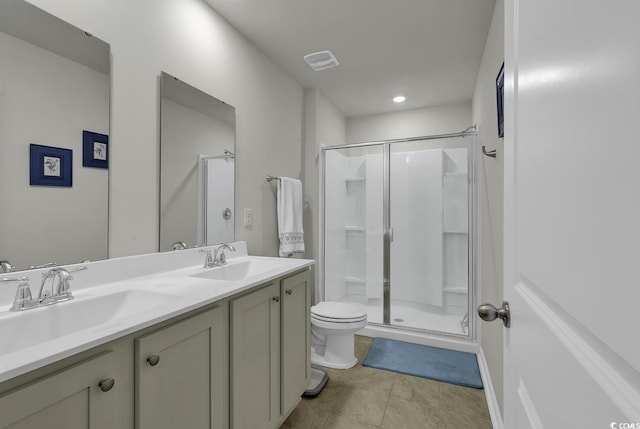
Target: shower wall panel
(335,249)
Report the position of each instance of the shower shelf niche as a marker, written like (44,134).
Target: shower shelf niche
(354,228)
(458,289)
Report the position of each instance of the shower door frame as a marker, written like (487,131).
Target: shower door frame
(473,239)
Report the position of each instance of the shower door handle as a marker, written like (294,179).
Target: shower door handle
(389,235)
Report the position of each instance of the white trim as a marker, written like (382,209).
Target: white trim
(489,392)
(319,293)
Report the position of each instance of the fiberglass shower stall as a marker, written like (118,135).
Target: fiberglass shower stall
(398,232)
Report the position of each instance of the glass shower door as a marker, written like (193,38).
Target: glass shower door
(398,233)
(353,229)
(429,217)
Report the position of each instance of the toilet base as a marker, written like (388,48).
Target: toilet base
(338,353)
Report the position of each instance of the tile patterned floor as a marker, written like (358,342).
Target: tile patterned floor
(368,398)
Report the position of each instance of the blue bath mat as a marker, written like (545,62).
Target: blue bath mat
(435,363)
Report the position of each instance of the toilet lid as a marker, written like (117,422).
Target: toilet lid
(338,311)
(338,320)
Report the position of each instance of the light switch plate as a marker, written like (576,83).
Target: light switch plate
(248,217)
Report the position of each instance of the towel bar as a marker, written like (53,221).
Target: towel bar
(490,153)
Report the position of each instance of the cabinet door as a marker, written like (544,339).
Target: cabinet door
(255,359)
(182,373)
(295,342)
(71,398)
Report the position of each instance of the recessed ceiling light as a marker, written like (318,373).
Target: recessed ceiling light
(399,98)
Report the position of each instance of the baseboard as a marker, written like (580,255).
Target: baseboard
(490,394)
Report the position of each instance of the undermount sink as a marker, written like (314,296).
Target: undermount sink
(237,271)
(26,328)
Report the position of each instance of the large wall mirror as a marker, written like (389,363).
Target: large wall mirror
(54,86)
(197,166)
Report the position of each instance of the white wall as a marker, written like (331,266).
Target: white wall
(491,194)
(188,40)
(48,100)
(324,126)
(451,118)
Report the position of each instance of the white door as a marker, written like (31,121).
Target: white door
(572,214)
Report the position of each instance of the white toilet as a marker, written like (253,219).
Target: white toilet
(332,327)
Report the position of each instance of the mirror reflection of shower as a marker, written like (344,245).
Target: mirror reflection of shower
(197,137)
(416,198)
(215,198)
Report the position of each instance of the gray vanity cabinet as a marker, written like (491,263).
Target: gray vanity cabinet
(255,359)
(295,339)
(182,374)
(270,366)
(242,362)
(93,394)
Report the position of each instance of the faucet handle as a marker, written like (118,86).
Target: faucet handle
(23,297)
(208,261)
(14,279)
(76,269)
(47,265)
(64,285)
(23,294)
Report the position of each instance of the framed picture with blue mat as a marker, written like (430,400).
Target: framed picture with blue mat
(449,366)
(50,166)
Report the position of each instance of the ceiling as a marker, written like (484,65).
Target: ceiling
(427,50)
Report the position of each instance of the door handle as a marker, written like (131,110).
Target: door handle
(489,313)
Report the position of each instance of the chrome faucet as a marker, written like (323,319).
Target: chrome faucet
(46,295)
(5,266)
(219,257)
(62,292)
(178,245)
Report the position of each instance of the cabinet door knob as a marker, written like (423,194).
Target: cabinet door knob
(153,360)
(106,384)
(276,298)
(288,291)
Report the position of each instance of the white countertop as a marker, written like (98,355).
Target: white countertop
(34,338)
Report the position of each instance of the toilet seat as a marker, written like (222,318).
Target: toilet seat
(338,312)
(338,320)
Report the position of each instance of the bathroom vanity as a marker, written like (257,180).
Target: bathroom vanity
(192,347)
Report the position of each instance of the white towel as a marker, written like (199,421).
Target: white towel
(290,216)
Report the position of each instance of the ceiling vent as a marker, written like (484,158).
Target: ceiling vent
(321,60)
